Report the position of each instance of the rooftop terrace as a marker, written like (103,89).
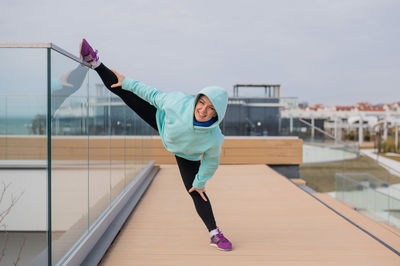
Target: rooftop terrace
(79,179)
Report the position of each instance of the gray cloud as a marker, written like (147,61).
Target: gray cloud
(333,52)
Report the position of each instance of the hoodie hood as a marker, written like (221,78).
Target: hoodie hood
(218,97)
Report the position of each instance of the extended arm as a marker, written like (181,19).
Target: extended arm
(146,92)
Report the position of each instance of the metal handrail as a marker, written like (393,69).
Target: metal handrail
(45,45)
(323,132)
(67,54)
(318,129)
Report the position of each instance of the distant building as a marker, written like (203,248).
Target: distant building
(255,116)
(361,117)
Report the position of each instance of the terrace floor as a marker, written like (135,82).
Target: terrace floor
(269,220)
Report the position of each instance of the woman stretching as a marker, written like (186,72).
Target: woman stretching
(188,126)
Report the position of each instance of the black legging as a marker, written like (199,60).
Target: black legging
(147,112)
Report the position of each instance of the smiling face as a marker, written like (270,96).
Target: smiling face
(204,109)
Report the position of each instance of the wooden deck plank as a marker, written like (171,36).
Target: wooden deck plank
(269,220)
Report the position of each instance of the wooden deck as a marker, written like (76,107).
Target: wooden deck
(269,220)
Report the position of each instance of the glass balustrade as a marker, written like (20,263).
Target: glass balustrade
(68,149)
(371,189)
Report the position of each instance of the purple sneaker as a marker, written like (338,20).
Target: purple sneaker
(88,54)
(220,242)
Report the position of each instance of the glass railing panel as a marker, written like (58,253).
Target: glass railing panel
(138,144)
(391,190)
(147,149)
(323,156)
(23,156)
(378,204)
(117,154)
(394,206)
(99,148)
(142,130)
(117,146)
(377,189)
(349,191)
(3,126)
(394,196)
(69,151)
(133,145)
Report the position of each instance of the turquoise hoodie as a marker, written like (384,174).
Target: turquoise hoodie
(174,117)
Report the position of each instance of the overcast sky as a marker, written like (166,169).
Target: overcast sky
(330,52)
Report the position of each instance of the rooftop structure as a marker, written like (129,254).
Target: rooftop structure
(270,90)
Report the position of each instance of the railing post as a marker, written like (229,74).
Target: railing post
(360,131)
(49,115)
(396,138)
(312,128)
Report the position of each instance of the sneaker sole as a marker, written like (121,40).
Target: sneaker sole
(214,245)
(80,49)
(82,57)
(80,53)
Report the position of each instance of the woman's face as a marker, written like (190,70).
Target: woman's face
(204,110)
